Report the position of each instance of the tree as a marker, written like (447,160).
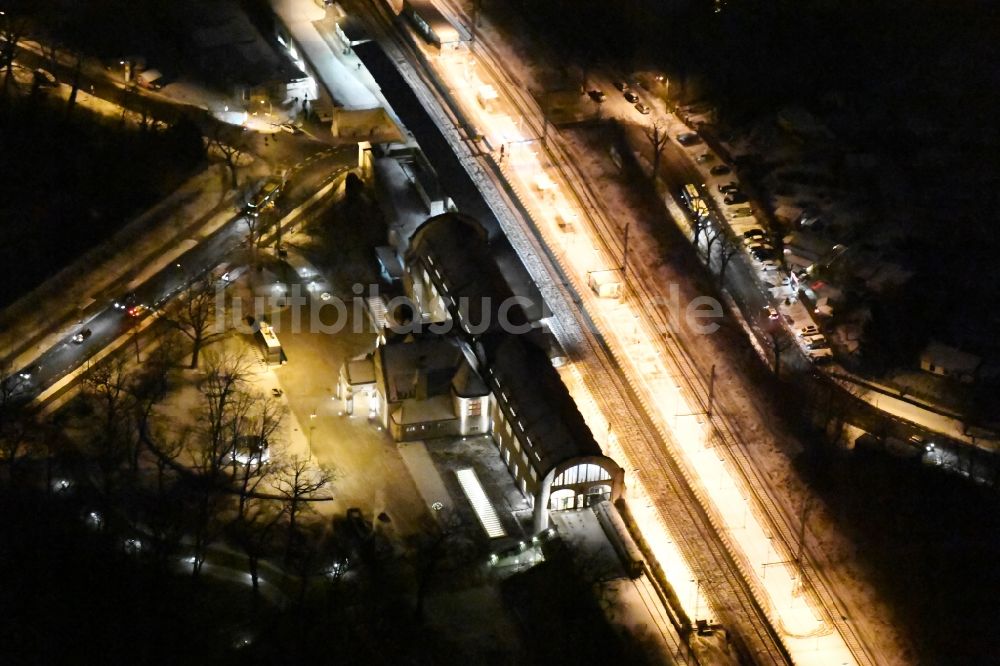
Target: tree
(657,137)
(259,431)
(299,483)
(166,450)
(196,314)
(13,28)
(13,416)
(257,223)
(779,344)
(225,377)
(230,144)
(109,387)
(712,235)
(78,57)
(701,225)
(727,250)
(430,551)
(253,531)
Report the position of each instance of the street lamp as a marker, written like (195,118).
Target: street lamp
(312,427)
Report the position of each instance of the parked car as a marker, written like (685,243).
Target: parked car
(754,233)
(819,356)
(805,331)
(631,96)
(290,128)
(82,336)
(597,95)
(731,186)
(819,342)
(720,170)
(688,138)
(735,198)
(705,157)
(621,85)
(642,108)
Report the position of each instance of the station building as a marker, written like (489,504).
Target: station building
(476,362)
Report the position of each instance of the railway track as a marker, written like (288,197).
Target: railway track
(779,518)
(678,506)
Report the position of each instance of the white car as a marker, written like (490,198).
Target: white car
(808,331)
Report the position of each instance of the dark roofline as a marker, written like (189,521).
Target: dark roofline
(552,421)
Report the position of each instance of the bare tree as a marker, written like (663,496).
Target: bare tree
(77,57)
(197,313)
(429,553)
(109,387)
(657,137)
(727,250)
(13,417)
(225,377)
(13,29)
(779,345)
(258,223)
(231,145)
(209,504)
(306,559)
(262,455)
(701,224)
(712,235)
(253,531)
(299,483)
(166,449)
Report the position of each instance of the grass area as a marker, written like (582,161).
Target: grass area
(73,181)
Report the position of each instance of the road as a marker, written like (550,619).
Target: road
(108,323)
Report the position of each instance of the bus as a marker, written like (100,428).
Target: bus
(273,353)
(266,195)
(693,200)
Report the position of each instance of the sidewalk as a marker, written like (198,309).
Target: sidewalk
(299,16)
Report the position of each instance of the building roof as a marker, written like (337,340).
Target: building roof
(540,403)
(360,372)
(400,202)
(954,360)
(454,246)
(414,412)
(421,367)
(231,47)
(467,383)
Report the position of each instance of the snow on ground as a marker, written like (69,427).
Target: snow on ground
(774,447)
